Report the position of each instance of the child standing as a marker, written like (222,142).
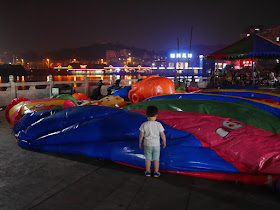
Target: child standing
(151,131)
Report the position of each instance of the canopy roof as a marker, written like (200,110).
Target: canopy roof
(254,46)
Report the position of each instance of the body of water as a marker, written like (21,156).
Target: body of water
(42,78)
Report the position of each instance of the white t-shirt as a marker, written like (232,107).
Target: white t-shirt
(151,130)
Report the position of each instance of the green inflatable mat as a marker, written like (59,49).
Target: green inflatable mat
(240,111)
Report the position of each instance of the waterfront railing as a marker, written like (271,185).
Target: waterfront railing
(40,90)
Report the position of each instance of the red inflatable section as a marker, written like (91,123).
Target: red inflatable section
(259,180)
(10,105)
(151,86)
(239,142)
(192,89)
(268,100)
(21,106)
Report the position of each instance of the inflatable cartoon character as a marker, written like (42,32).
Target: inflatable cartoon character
(113,101)
(228,126)
(151,86)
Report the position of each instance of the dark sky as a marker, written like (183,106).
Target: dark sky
(54,24)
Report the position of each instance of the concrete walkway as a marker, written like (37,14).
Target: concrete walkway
(31,180)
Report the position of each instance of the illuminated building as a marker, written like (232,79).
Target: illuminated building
(121,57)
(110,54)
(183,63)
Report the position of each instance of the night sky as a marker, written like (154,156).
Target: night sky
(54,24)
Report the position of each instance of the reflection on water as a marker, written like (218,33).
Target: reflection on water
(44,78)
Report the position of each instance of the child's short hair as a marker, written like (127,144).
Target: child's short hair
(151,111)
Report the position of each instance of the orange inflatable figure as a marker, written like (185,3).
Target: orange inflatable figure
(80,96)
(151,86)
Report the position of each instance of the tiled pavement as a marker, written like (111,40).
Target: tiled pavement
(32,180)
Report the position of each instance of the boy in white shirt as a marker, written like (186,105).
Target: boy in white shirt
(151,131)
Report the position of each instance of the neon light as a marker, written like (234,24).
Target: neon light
(60,67)
(83,66)
(247,63)
(83,70)
(172,55)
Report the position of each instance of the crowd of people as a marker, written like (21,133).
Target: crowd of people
(267,79)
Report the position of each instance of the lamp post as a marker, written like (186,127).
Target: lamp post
(48,61)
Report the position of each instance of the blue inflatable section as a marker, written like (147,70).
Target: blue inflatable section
(111,133)
(123,92)
(251,95)
(265,107)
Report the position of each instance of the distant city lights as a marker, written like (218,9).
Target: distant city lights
(83,66)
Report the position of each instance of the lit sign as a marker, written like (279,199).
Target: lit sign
(180,55)
(247,63)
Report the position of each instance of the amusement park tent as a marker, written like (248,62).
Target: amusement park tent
(253,46)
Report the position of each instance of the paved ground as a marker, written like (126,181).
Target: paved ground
(31,180)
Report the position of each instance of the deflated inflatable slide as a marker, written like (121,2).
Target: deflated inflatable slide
(226,135)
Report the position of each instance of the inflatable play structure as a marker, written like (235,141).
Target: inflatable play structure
(151,86)
(231,135)
(22,106)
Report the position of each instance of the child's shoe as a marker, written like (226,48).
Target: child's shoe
(148,173)
(156,174)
